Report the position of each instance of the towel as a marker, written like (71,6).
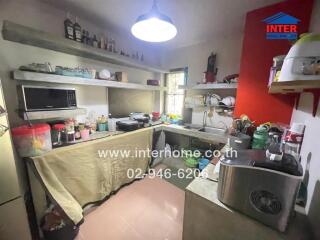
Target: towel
(88,172)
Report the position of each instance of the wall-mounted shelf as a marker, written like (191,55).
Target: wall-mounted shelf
(29,36)
(36,115)
(293,86)
(53,78)
(210,86)
(211,106)
(297,87)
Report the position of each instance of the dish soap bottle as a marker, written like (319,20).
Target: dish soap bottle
(68,27)
(77,31)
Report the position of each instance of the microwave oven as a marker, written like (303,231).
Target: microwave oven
(40,98)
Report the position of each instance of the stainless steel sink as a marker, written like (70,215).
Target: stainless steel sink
(212,130)
(193,127)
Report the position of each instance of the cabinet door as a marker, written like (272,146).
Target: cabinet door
(13,221)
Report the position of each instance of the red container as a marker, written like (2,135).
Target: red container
(155,116)
(32,140)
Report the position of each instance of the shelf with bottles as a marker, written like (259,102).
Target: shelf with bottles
(30,36)
(74,31)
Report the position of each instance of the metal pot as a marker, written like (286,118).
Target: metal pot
(240,141)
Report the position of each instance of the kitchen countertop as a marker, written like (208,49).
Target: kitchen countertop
(216,138)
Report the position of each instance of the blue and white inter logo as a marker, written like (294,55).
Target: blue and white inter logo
(282,26)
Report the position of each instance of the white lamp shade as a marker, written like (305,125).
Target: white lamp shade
(154,26)
(154,30)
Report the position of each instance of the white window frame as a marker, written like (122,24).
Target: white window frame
(173,71)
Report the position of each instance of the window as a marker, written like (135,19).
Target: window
(175,96)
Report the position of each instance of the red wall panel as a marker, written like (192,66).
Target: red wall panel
(256,59)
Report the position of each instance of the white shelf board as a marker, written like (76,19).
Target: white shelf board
(294,86)
(210,106)
(209,86)
(26,35)
(36,115)
(54,78)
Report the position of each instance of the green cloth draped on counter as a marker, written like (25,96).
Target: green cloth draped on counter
(76,175)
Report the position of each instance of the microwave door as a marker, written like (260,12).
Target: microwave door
(45,98)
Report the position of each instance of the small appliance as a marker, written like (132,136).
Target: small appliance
(142,118)
(303,60)
(260,188)
(128,125)
(37,98)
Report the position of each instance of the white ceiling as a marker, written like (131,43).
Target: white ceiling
(196,20)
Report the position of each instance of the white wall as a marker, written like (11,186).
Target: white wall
(228,51)
(311,142)
(195,57)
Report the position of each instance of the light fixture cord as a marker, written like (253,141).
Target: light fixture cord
(155,5)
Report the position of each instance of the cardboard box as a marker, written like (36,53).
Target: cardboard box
(122,76)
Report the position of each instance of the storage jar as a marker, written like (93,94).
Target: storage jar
(32,140)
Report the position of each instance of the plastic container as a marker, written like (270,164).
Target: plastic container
(191,162)
(32,140)
(84,134)
(155,116)
(112,125)
(102,127)
(203,162)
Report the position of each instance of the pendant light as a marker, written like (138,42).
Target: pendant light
(154,26)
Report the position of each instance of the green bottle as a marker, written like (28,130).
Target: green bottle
(260,138)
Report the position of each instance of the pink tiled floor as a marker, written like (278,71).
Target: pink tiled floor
(146,209)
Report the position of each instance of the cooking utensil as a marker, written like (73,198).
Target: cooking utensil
(210,113)
(128,125)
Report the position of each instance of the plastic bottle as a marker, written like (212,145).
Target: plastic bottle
(260,138)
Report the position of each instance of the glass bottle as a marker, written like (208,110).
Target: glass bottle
(68,27)
(88,39)
(84,36)
(102,42)
(77,31)
(95,41)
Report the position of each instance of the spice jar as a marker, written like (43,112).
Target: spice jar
(69,131)
(57,131)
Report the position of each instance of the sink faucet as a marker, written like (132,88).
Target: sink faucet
(204,119)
